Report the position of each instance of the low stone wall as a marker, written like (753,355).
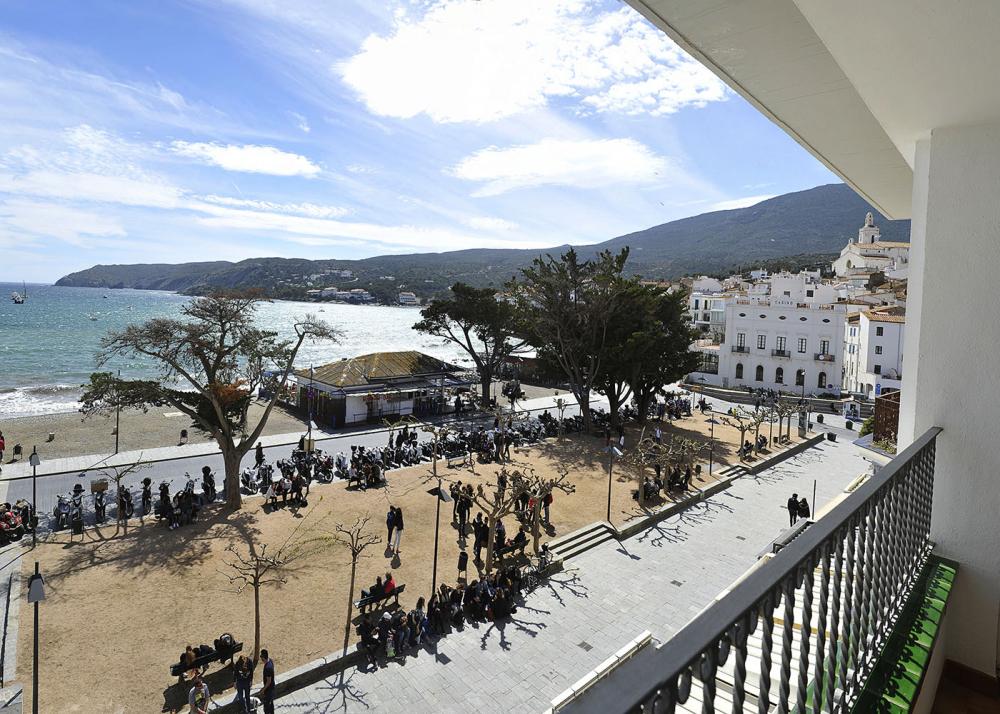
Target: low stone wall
(786,454)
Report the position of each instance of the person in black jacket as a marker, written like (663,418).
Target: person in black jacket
(793,509)
(398,526)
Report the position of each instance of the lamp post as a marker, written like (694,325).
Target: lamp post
(440,495)
(309,408)
(34,460)
(36,593)
(118,409)
(612,451)
(711,447)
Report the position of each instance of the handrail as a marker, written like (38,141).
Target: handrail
(884,517)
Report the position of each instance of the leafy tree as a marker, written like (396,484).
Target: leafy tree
(478,322)
(221,358)
(566,307)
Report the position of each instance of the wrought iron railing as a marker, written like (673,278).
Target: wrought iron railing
(741,348)
(805,628)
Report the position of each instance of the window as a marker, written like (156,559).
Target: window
(821,381)
(854,331)
(878,349)
(879,331)
(809,293)
(779,375)
(878,369)
(788,294)
(800,378)
(760,373)
(824,347)
(780,346)
(696,303)
(741,339)
(802,345)
(739,370)
(761,341)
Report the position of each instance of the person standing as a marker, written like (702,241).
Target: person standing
(390,524)
(260,453)
(546,502)
(3,445)
(481,533)
(198,697)
(793,509)
(266,693)
(398,525)
(243,672)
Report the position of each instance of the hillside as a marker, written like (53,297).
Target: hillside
(803,227)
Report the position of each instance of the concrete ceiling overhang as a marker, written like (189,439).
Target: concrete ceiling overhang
(769,53)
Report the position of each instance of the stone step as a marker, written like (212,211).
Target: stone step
(564,542)
(583,544)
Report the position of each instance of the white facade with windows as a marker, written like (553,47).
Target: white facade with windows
(784,345)
(873,353)
(869,254)
(708,313)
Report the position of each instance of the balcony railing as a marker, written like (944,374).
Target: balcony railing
(824,357)
(741,348)
(780,353)
(807,627)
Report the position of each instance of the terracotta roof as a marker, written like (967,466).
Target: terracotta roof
(889,244)
(878,317)
(377,367)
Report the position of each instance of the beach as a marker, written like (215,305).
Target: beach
(160,426)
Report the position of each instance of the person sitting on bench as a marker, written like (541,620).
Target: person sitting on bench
(390,584)
(520,539)
(377,588)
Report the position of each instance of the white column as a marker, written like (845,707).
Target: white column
(950,379)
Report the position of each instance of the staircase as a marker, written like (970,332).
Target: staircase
(582,540)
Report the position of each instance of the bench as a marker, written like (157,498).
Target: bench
(219,655)
(459,459)
(512,548)
(379,597)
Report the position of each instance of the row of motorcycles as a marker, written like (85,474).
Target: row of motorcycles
(309,465)
(16,520)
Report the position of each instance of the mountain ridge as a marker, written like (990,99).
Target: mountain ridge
(813,224)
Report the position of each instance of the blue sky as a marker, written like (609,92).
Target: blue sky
(227,129)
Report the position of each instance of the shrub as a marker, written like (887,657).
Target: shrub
(867,426)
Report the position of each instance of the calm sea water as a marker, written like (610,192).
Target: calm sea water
(48,344)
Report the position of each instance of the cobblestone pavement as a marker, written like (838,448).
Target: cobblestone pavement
(657,580)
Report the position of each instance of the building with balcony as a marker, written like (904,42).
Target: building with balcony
(873,351)
(782,345)
(900,582)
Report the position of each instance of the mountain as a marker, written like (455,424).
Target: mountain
(796,229)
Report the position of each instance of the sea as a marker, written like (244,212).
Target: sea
(48,345)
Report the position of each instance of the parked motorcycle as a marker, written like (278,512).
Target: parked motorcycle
(10,525)
(100,507)
(208,484)
(125,506)
(147,496)
(61,512)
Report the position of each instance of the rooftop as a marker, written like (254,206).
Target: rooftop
(377,366)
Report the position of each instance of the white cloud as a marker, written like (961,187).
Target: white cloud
(301,122)
(311,210)
(489,223)
(739,202)
(248,158)
(56,221)
(583,164)
(482,60)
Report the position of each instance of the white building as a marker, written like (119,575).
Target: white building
(707,311)
(783,345)
(873,351)
(869,254)
(408,298)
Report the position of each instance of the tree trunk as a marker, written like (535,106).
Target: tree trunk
(232,459)
(642,404)
(486,382)
(642,490)
(583,399)
(350,605)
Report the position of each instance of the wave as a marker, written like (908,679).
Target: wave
(41,399)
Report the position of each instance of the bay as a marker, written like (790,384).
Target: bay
(48,345)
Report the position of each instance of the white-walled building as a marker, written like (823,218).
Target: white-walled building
(869,254)
(708,313)
(873,352)
(782,345)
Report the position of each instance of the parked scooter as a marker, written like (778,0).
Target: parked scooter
(10,525)
(100,507)
(61,512)
(125,506)
(76,509)
(147,496)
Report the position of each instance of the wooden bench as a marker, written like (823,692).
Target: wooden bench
(459,459)
(512,548)
(379,597)
(178,669)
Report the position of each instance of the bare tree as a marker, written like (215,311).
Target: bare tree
(438,435)
(356,540)
(538,488)
(561,405)
(744,420)
(496,504)
(785,411)
(221,357)
(117,475)
(648,453)
(260,565)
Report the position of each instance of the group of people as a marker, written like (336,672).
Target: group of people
(676,479)
(393,634)
(394,528)
(797,508)
(673,407)
(200,697)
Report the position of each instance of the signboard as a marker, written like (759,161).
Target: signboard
(878,389)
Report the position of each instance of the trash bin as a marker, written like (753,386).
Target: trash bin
(830,436)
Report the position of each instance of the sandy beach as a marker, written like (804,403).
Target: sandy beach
(76,436)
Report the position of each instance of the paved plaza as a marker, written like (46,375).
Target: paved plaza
(657,581)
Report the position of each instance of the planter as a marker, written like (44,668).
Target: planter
(819,418)
(850,425)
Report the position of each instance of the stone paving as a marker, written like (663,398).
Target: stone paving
(657,580)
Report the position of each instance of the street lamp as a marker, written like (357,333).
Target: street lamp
(440,495)
(34,460)
(36,593)
(309,408)
(118,408)
(711,447)
(612,451)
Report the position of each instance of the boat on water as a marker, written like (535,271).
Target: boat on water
(19,298)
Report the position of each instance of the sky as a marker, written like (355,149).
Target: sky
(187,130)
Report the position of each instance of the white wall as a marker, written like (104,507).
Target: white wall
(949,381)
